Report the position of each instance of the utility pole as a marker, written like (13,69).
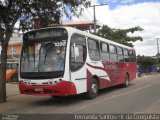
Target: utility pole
(94,11)
(158,49)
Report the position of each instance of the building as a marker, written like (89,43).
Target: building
(13,54)
(14,47)
(84,26)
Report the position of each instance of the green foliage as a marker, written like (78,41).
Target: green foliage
(119,35)
(26,11)
(48,11)
(146,61)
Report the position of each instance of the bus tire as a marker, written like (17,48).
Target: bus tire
(126,82)
(93,90)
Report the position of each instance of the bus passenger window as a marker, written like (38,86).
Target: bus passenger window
(132,56)
(93,48)
(120,54)
(113,53)
(126,55)
(104,52)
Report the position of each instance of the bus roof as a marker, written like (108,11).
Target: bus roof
(72,30)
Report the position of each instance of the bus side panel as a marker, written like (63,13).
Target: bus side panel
(117,72)
(103,83)
(79,79)
(97,71)
(132,68)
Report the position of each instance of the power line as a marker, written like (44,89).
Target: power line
(89,13)
(93,16)
(94,11)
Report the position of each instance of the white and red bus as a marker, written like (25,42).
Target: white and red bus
(62,61)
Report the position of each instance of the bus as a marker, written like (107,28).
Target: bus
(64,61)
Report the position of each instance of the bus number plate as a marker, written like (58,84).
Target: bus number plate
(39,89)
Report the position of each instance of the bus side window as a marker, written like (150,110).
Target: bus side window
(104,52)
(131,59)
(93,48)
(132,56)
(113,53)
(77,60)
(126,55)
(120,54)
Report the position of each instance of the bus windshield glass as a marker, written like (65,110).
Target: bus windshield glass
(46,56)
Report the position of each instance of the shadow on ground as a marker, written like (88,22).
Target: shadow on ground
(62,101)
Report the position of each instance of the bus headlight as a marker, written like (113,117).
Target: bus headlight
(50,82)
(27,82)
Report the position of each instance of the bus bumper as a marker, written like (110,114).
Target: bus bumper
(63,88)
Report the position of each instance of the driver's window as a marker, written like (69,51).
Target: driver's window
(77,52)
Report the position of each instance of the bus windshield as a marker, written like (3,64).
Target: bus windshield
(43,57)
(43,53)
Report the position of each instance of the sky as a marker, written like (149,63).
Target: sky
(124,14)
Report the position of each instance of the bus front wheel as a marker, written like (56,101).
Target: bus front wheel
(93,90)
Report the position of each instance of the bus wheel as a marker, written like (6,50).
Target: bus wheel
(126,82)
(93,90)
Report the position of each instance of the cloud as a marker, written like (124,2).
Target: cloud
(113,1)
(127,1)
(145,15)
(94,2)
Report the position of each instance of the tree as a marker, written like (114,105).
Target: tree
(119,35)
(25,11)
(146,61)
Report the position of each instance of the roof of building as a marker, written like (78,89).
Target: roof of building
(80,25)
